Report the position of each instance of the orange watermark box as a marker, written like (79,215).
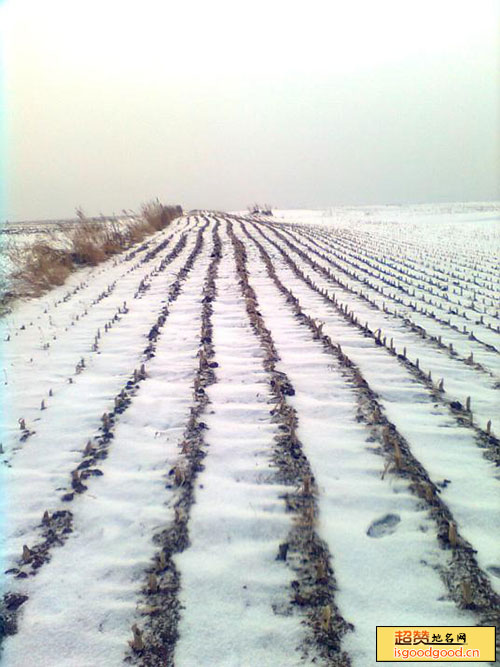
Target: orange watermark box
(435,643)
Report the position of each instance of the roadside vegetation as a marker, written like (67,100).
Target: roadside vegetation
(46,263)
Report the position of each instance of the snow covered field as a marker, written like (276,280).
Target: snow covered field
(253,440)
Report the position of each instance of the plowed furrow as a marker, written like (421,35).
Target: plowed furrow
(452,377)
(69,305)
(127,498)
(427,300)
(400,402)
(57,369)
(460,573)
(311,591)
(155,631)
(431,327)
(356,334)
(49,475)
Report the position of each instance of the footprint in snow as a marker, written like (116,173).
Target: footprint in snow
(384,526)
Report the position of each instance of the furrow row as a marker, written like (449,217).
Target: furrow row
(461,412)
(466,582)
(307,555)
(114,523)
(28,409)
(416,289)
(428,325)
(56,526)
(155,631)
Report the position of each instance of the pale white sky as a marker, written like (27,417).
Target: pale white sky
(220,104)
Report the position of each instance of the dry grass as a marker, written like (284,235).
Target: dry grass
(159,216)
(42,265)
(138,231)
(87,244)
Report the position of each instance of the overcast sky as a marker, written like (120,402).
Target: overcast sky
(220,104)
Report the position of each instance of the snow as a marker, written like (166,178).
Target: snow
(231,579)
(370,571)
(448,452)
(380,294)
(84,600)
(235,595)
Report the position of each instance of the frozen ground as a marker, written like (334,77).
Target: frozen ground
(255,439)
